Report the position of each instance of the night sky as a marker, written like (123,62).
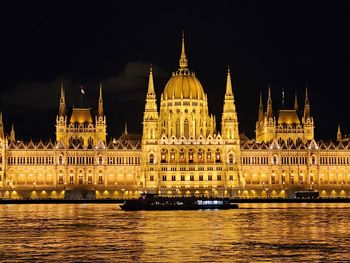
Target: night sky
(287,44)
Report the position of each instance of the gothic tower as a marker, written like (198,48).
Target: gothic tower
(61,119)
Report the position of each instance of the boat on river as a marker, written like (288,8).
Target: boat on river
(155,202)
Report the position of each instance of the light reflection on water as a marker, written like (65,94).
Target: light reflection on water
(104,233)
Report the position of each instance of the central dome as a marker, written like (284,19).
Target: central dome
(183,86)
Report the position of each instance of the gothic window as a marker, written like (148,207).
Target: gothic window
(186,129)
(71,179)
(218,178)
(313,160)
(164,177)
(100,160)
(210,177)
(190,156)
(177,128)
(151,178)
(172,155)
(209,155)
(274,159)
(60,159)
(200,155)
(182,178)
(100,179)
(182,155)
(151,158)
(217,156)
(230,158)
(173,178)
(60,179)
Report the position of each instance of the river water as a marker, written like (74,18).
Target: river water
(104,233)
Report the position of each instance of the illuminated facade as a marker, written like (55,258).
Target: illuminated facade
(180,152)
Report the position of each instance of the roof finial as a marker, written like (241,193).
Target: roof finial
(228,83)
(282,98)
(269,111)
(150,90)
(183,59)
(126,128)
(261,109)
(62,93)
(100,102)
(339,135)
(296,106)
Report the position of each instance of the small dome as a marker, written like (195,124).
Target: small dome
(81,115)
(288,117)
(183,86)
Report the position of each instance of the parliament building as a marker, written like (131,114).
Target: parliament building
(180,152)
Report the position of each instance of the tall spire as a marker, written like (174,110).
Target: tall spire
(100,102)
(229,123)
(62,108)
(269,111)
(150,90)
(296,106)
(261,109)
(183,59)
(12,134)
(339,135)
(228,83)
(126,128)
(306,105)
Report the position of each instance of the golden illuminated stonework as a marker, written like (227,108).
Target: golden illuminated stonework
(180,151)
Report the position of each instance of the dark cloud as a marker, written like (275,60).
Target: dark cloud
(129,84)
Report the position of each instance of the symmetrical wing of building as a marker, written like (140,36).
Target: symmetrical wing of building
(180,151)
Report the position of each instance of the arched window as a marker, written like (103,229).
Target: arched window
(100,160)
(274,159)
(217,156)
(182,155)
(60,159)
(190,156)
(230,158)
(177,128)
(313,160)
(164,156)
(200,155)
(186,129)
(151,158)
(209,155)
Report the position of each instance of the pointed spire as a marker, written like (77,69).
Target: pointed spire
(269,111)
(150,90)
(296,106)
(183,60)
(306,105)
(126,128)
(339,135)
(261,109)
(100,102)
(62,108)
(228,83)
(12,134)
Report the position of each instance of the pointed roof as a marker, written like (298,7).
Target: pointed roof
(269,110)
(150,90)
(228,83)
(126,128)
(100,102)
(183,63)
(296,107)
